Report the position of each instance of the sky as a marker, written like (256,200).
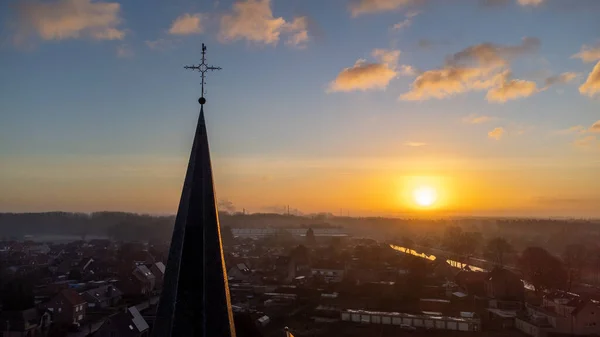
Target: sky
(326,106)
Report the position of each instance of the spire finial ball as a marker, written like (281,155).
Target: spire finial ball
(202,100)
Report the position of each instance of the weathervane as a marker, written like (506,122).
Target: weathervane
(203,68)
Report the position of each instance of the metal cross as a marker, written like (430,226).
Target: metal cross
(203,68)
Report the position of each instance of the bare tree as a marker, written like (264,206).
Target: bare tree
(497,250)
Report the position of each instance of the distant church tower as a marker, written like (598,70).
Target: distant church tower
(195,297)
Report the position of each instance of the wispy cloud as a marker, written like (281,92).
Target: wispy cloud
(587,142)
(577,129)
(161,44)
(530,2)
(407,22)
(563,78)
(124,51)
(477,119)
(415,144)
(187,24)
(588,54)
(580,129)
(497,133)
(253,21)
(70,19)
(360,7)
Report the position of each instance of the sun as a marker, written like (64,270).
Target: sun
(425,196)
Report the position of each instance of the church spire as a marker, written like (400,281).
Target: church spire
(195,297)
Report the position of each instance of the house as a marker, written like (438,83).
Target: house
(158,270)
(330,271)
(561,313)
(29,322)
(145,277)
(240,272)
(102,297)
(127,323)
(67,307)
(505,289)
(471,282)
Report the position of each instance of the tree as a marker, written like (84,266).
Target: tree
(461,244)
(311,240)
(497,249)
(542,269)
(574,257)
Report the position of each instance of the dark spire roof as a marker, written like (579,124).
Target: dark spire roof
(195,297)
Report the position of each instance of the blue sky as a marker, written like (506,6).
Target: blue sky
(103,82)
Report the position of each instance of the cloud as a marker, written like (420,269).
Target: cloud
(363,76)
(299,32)
(70,19)
(496,134)
(445,82)
(480,67)
(580,129)
(511,90)
(572,130)
(587,142)
(492,55)
(415,144)
(124,51)
(253,20)
(561,79)
(406,70)
(187,24)
(407,22)
(530,2)
(359,7)
(588,54)
(368,76)
(591,87)
(595,127)
(161,44)
(477,119)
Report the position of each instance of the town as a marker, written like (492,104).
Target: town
(315,278)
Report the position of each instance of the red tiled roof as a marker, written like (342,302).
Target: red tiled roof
(72,296)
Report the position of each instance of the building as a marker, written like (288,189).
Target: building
(240,272)
(158,270)
(30,322)
(418,321)
(67,307)
(505,289)
(561,313)
(146,279)
(195,297)
(102,297)
(331,272)
(127,323)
